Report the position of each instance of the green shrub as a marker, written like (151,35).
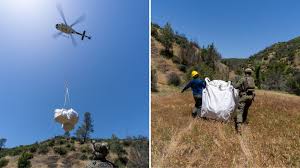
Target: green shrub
(33,148)
(60,150)
(72,148)
(16,151)
(86,149)
(167,53)
(3,162)
(182,68)
(116,146)
(176,59)
(43,149)
(174,79)
(51,143)
(83,157)
(204,71)
(72,141)
(121,161)
(61,141)
(24,160)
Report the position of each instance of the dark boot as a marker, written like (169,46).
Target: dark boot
(194,113)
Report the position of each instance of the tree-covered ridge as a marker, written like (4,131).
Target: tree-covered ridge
(278,67)
(186,54)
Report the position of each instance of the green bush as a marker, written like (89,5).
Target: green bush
(121,161)
(167,53)
(204,71)
(43,149)
(176,59)
(16,151)
(60,150)
(72,148)
(51,143)
(116,147)
(83,157)
(33,148)
(182,68)
(86,149)
(61,141)
(24,160)
(3,162)
(72,141)
(174,79)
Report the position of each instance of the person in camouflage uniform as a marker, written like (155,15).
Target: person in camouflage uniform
(246,88)
(100,151)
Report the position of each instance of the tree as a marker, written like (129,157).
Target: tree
(86,128)
(24,160)
(2,143)
(67,134)
(276,76)
(167,39)
(210,56)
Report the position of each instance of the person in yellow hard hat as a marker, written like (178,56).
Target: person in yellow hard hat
(197,86)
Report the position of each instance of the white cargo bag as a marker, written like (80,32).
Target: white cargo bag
(218,100)
(67,117)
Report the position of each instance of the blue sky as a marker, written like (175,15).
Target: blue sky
(238,28)
(107,76)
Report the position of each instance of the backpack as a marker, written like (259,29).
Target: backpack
(249,84)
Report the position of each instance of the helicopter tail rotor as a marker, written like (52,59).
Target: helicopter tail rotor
(83,35)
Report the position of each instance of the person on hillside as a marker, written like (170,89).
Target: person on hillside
(197,86)
(246,87)
(100,151)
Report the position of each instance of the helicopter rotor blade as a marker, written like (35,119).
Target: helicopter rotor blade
(80,19)
(57,34)
(59,8)
(73,40)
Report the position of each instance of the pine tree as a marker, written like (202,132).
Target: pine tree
(86,128)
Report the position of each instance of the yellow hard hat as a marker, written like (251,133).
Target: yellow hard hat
(194,73)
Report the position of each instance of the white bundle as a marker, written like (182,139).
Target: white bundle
(219,100)
(67,117)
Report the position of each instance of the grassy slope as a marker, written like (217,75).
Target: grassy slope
(270,139)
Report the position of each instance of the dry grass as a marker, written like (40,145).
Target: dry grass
(271,139)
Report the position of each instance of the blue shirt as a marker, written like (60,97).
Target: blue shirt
(197,86)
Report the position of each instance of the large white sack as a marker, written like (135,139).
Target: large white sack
(218,100)
(68,126)
(67,117)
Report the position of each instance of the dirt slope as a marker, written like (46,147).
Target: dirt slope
(271,139)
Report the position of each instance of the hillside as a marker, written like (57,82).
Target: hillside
(276,67)
(64,152)
(271,139)
(173,57)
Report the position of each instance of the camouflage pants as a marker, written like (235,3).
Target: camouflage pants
(243,107)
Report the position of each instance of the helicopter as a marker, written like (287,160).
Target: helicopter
(65,29)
